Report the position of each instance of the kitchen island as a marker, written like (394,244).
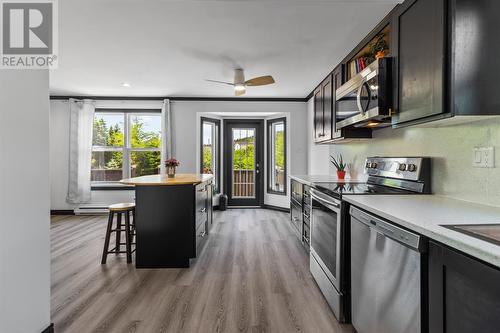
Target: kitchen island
(173,217)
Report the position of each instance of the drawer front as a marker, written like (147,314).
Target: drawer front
(296,218)
(306,236)
(201,204)
(297,189)
(201,238)
(307,195)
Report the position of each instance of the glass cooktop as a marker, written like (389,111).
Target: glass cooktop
(358,188)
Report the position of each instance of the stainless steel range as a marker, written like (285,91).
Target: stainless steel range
(330,232)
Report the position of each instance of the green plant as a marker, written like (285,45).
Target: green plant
(338,162)
(379,44)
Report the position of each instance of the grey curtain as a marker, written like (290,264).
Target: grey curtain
(166,133)
(80,150)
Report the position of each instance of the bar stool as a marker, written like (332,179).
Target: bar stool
(129,229)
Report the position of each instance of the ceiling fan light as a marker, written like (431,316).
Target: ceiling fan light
(239,87)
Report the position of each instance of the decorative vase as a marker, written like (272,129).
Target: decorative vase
(380,54)
(171,171)
(340,174)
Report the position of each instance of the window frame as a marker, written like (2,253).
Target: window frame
(270,144)
(126,149)
(217,175)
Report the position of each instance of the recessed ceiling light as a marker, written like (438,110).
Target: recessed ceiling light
(126,84)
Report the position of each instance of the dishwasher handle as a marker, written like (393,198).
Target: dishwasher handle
(403,236)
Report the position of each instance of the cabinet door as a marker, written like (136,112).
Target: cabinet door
(327,92)
(420,56)
(318,115)
(464,294)
(336,83)
(296,219)
(210,205)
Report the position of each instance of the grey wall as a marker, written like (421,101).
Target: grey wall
(184,129)
(451,149)
(24,201)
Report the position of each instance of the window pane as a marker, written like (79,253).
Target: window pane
(143,163)
(145,131)
(106,166)
(108,129)
(277,177)
(208,148)
(243,163)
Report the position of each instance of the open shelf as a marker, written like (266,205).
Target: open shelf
(365,56)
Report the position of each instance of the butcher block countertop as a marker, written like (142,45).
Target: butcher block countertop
(163,180)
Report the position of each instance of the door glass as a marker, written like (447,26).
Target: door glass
(243,162)
(324,236)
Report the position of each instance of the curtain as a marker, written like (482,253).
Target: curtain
(166,134)
(80,150)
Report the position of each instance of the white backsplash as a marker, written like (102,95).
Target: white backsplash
(451,149)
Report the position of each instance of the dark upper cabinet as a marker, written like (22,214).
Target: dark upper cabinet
(325,115)
(323,111)
(318,114)
(475,50)
(464,294)
(419,59)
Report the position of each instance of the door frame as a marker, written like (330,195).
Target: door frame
(259,145)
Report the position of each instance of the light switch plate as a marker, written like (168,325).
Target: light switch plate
(483,157)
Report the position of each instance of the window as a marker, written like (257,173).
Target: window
(210,149)
(276,150)
(125,144)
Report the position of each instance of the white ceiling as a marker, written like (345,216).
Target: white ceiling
(168,48)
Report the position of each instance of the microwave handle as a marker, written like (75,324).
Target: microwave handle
(358,97)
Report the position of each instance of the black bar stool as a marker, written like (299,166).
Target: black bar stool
(129,229)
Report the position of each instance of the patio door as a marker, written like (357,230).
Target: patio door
(243,159)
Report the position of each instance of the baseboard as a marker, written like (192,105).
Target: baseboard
(49,329)
(62,212)
(281,209)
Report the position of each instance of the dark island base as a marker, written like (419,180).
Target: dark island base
(168,218)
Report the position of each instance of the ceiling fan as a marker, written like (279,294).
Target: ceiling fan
(240,84)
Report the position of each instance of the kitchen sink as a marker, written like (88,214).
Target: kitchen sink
(487,232)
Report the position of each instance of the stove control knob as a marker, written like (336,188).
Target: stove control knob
(412,167)
(368,165)
(374,165)
(402,167)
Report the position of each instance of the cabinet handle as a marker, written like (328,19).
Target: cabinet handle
(202,190)
(203,234)
(203,210)
(295,193)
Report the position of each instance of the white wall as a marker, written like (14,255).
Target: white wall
(317,155)
(451,150)
(24,201)
(185,128)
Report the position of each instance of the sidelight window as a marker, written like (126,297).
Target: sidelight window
(210,149)
(276,148)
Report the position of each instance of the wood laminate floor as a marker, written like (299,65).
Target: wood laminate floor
(253,276)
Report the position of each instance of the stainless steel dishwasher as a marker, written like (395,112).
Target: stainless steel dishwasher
(386,276)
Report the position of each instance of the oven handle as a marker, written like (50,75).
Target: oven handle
(333,205)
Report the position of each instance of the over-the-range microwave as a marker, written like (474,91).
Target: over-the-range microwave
(366,99)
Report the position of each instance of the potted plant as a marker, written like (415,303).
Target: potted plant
(340,165)
(171,164)
(379,46)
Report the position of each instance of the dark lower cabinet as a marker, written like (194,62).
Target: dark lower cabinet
(464,293)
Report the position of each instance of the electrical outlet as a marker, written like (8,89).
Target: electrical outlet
(483,157)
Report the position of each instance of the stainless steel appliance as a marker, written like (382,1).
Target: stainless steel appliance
(386,276)
(366,99)
(329,220)
(327,249)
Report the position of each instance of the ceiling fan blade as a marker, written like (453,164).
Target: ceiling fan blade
(260,81)
(240,92)
(215,81)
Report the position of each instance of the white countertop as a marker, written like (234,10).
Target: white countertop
(425,214)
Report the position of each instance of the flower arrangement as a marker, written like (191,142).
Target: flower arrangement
(339,165)
(171,164)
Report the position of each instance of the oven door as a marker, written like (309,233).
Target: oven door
(326,235)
